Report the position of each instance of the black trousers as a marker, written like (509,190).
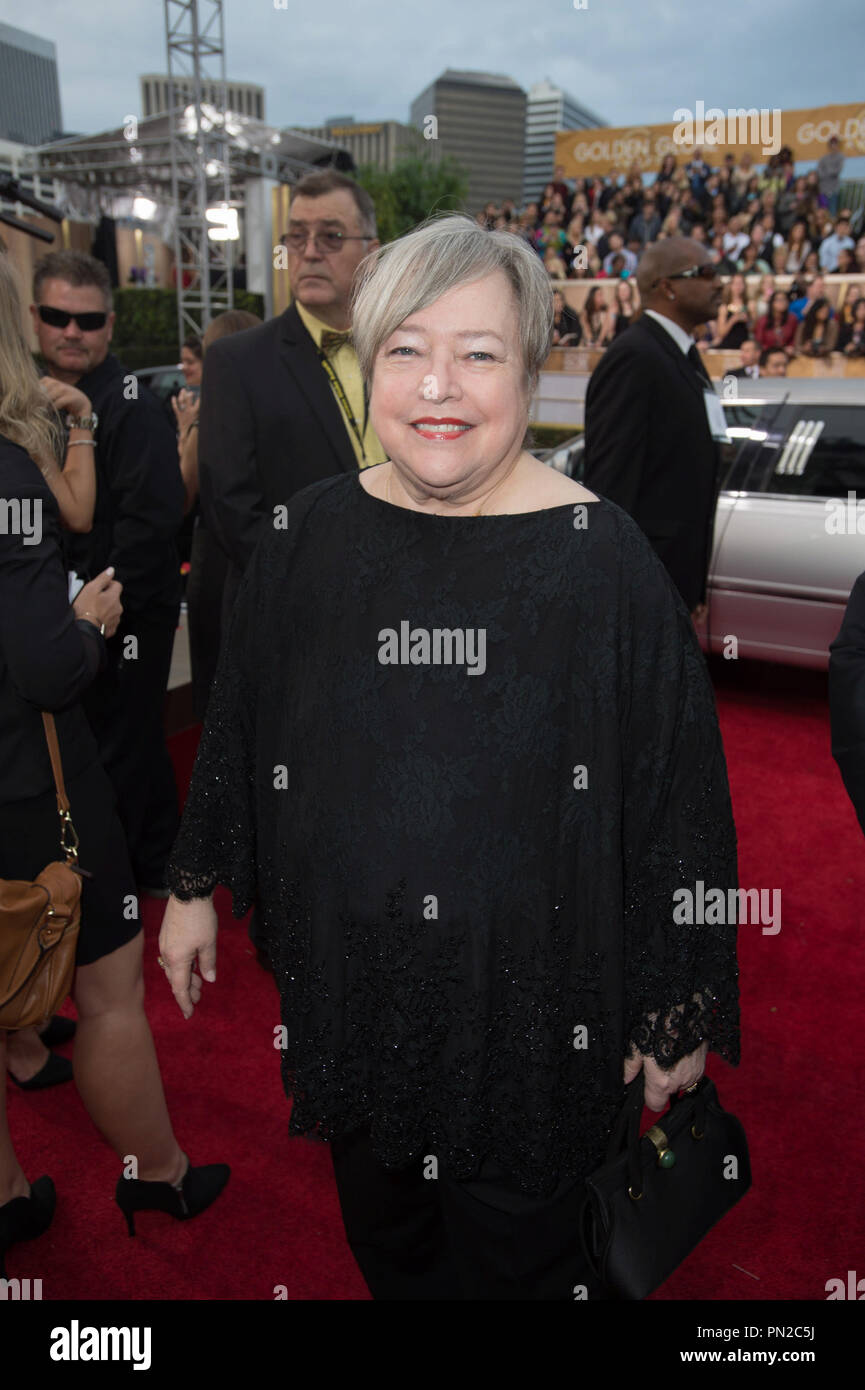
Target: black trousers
(125,707)
(417,1237)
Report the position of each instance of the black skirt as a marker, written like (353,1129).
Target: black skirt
(30,839)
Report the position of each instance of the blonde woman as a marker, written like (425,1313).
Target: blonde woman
(50,652)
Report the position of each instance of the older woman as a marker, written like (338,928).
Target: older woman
(462,747)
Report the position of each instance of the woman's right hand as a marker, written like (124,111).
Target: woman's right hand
(99,601)
(188,930)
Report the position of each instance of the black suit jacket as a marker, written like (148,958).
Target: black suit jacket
(47,657)
(648,447)
(269,426)
(139,496)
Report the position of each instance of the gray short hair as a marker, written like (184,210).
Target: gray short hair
(445,251)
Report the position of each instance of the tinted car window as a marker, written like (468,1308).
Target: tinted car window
(750,426)
(822,453)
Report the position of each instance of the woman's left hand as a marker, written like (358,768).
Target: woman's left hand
(659,1084)
(65,397)
(185,407)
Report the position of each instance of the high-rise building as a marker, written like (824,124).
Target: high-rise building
(549,109)
(29,89)
(379,143)
(480,121)
(243,97)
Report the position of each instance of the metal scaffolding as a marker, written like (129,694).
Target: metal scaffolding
(199,149)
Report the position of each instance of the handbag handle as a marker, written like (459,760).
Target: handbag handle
(626,1130)
(68,836)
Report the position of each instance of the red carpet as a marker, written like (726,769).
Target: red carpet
(798,1090)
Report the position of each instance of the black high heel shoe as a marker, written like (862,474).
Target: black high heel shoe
(25,1218)
(199,1188)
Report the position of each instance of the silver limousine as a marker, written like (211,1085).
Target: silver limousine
(790,525)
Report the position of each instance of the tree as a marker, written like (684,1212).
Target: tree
(413,190)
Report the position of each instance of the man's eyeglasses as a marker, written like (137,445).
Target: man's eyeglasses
(326,243)
(709,271)
(59,318)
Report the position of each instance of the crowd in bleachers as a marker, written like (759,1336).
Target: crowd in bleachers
(782,241)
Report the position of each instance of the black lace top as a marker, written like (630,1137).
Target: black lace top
(466,867)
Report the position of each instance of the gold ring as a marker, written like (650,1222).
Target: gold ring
(161,962)
(694,1086)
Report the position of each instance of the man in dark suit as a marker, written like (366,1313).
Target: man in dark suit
(138,512)
(283,405)
(650,446)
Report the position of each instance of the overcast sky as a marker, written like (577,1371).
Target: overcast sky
(628,61)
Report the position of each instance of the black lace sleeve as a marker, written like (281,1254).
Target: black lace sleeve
(216,842)
(679,836)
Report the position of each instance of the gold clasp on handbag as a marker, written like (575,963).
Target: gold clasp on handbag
(666,1157)
(67,830)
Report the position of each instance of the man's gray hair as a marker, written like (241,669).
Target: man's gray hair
(445,251)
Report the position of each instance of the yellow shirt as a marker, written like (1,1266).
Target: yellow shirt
(345,364)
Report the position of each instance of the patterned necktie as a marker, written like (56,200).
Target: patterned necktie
(332,341)
(697,363)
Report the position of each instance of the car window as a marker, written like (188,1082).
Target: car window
(822,453)
(749,426)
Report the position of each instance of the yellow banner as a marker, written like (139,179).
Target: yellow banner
(762,132)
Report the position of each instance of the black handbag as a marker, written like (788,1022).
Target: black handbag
(655,1198)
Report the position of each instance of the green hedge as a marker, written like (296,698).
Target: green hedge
(147,318)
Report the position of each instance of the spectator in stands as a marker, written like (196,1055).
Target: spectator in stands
(751,262)
(817,334)
(734,318)
(625,306)
(567,331)
(778,327)
(617,269)
(847,263)
(812,263)
(860,256)
(597,319)
(596,229)
(851,339)
(554,265)
(735,238)
(139,508)
(798,247)
(829,168)
(831,247)
(816,290)
(617,247)
(698,171)
(667,170)
(749,355)
(646,224)
(550,235)
(743,174)
(672,225)
(774,362)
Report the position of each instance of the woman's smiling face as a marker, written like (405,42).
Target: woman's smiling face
(449,398)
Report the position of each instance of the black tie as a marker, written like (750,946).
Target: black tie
(697,363)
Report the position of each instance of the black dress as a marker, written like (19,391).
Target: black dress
(47,661)
(466,867)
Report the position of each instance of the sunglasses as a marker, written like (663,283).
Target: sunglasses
(702,272)
(325,242)
(59,318)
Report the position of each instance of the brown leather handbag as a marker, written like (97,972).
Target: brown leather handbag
(40,921)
